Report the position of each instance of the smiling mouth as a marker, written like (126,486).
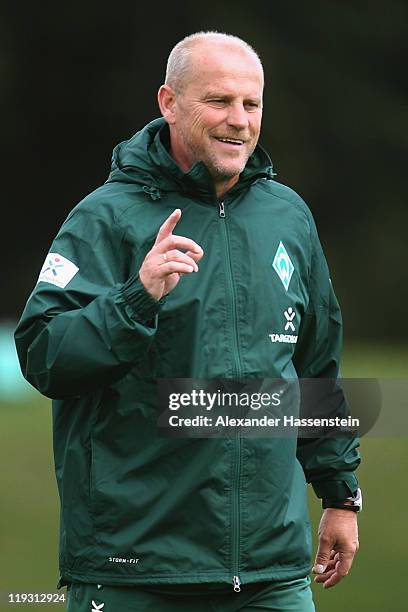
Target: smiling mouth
(233,141)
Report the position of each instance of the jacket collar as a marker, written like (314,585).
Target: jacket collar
(198,181)
(145,159)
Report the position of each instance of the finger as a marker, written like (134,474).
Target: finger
(175,255)
(322,557)
(344,564)
(324,577)
(341,570)
(195,256)
(334,557)
(330,567)
(334,579)
(178,242)
(174,266)
(168,226)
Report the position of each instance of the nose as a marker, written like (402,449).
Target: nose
(237,116)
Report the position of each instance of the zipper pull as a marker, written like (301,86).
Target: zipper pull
(221,209)
(237,584)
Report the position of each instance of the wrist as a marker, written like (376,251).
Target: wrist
(352,504)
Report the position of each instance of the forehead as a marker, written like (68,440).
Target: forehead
(231,68)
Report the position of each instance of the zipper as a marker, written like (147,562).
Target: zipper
(237,584)
(238,370)
(236,519)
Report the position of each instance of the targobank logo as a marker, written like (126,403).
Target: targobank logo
(289,315)
(283,265)
(97,607)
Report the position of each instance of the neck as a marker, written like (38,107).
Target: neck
(221,187)
(182,160)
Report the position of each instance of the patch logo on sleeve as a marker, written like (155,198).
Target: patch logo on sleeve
(57,270)
(283,266)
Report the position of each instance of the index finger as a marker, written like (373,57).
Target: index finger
(341,570)
(168,226)
(178,242)
(344,564)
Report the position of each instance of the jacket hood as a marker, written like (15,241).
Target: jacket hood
(145,159)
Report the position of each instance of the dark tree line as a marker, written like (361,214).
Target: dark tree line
(76,78)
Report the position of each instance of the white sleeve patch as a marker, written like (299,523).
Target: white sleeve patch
(57,270)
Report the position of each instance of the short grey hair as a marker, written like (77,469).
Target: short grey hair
(178,62)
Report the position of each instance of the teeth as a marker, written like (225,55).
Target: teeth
(231,140)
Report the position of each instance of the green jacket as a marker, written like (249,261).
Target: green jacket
(142,508)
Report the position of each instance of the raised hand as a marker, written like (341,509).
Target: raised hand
(166,262)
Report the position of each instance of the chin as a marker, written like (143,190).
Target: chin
(225,170)
(229,169)
(230,172)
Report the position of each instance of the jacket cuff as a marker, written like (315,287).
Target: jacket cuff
(344,486)
(143,306)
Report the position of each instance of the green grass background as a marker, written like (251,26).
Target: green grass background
(29,503)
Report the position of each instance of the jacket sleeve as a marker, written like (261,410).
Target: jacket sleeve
(328,463)
(88,334)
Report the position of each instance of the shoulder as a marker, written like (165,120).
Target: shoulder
(111,203)
(285,194)
(286,201)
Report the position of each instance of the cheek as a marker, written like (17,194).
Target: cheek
(196,122)
(255,125)
(187,118)
(201,121)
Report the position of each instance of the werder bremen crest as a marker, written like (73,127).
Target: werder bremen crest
(283,265)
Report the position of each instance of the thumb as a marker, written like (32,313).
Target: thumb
(322,558)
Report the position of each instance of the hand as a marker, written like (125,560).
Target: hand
(338,543)
(165,263)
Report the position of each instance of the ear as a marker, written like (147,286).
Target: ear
(166,98)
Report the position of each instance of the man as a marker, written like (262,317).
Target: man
(187,263)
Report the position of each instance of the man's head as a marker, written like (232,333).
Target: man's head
(212,101)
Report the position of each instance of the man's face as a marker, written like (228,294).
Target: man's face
(218,112)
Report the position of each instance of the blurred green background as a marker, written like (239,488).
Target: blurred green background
(29,504)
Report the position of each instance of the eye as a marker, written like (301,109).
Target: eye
(217,102)
(252,106)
